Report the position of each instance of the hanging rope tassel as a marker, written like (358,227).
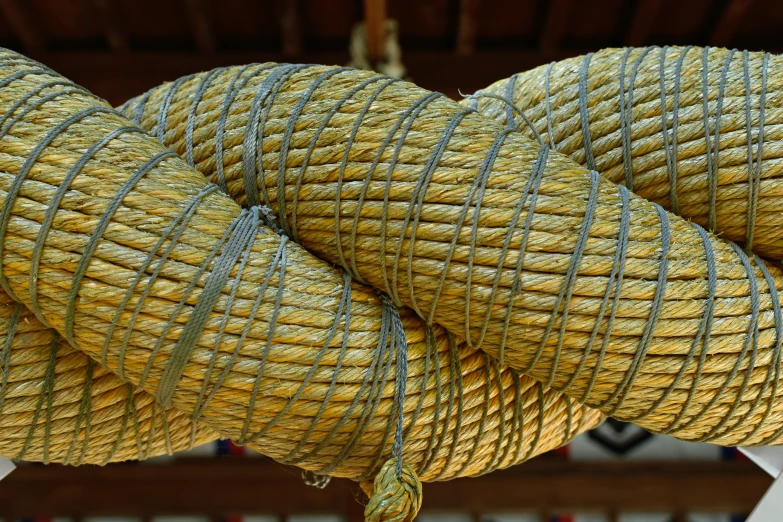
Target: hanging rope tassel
(395,494)
(393,497)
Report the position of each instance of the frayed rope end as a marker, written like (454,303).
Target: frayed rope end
(393,498)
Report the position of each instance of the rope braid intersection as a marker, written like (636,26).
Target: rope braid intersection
(128,248)
(486,235)
(657,294)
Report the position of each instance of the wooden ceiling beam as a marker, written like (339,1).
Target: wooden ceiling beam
(201,25)
(643,21)
(554,26)
(729,22)
(23,26)
(375,28)
(111,25)
(467,27)
(290,27)
(214,487)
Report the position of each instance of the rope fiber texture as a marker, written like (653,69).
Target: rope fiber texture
(543,264)
(58,406)
(136,260)
(697,130)
(462,245)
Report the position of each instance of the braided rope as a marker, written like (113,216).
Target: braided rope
(592,278)
(162,279)
(586,287)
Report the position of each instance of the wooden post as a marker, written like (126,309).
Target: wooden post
(200,25)
(466,29)
(21,23)
(290,30)
(375,27)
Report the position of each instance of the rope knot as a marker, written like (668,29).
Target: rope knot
(393,497)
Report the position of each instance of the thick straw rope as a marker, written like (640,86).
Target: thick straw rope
(58,406)
(696,130)
(614,301)
(135,259)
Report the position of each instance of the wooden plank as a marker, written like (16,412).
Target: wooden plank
(733,487)
(466,27)
(375,28)
(215,487)
(554,26)
(23,25)
(200,25)
(729,22)
(110,23)
(644,18)
(290,27)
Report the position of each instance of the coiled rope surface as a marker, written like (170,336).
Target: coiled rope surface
(137,261)
(697,130)
(58,406)
(129,254)
(596,292)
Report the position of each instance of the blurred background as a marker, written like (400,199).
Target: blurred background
(120,48)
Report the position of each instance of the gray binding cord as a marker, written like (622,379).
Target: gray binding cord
(615,280)
(623,390)
(286,144)
(713,147)
(172,231)
(290,226)
(252,147)
(417,200)
(777,357)
(228,99)
(670,145)
(8,120)
(392,344)
(54,205)
(584,116)
(511,108)
(5,352)
(245,232)
(351,269)
(566,290)
(190,126)
(702,339)
(92,243)
(533,183)
(626,116)
(751,338)
(399,345)
(754,174)
(548,105)
(16,184)
(163,113)
(477,192)
(46,394)
(380,369)
(408,116)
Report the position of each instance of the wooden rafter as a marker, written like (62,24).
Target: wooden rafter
(554,26)
(290,27)
(111,26)
(643,21)
(200,25)
(22,24)
(375,27)
(466,27)
(729,22)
